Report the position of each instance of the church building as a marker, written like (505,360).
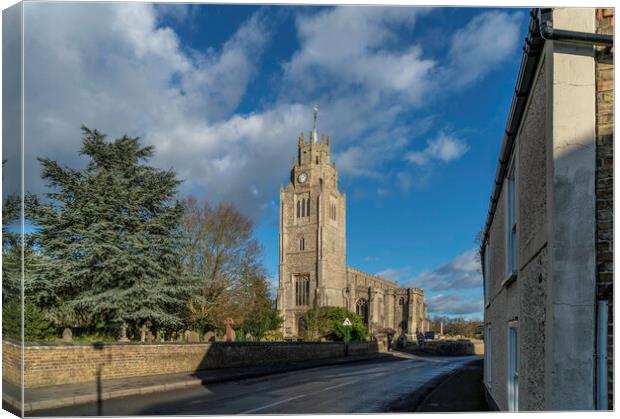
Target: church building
(313,267)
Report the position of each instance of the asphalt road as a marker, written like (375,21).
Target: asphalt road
(360,387)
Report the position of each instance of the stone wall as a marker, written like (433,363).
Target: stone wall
(61,363)
(605,178)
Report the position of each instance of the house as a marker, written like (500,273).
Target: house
(547,246)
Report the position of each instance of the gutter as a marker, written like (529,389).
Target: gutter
(529,62)
(540,30)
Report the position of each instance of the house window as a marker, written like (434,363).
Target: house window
(302,290)
(487,355)
(511,222)
(513,367)
(302,245)
(487,272)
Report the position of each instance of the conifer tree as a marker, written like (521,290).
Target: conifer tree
(110,237)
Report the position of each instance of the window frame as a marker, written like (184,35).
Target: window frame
(487,272)
(511,220)
(512,375)
(488,356)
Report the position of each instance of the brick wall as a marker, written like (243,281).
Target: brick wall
(11,362)
(605,177)
(59,363)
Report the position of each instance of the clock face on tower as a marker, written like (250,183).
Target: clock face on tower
(302,177)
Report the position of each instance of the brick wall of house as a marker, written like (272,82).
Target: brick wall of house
(605,177)
(60,363)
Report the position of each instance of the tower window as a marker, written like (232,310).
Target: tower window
(317,159)
(308,207)
(401,301)
(303,207)
(298,209)
(302,290)
(332,211)
(302,244)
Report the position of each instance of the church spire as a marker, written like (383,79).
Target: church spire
(314,134)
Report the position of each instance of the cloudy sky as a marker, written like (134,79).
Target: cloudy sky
(414,100)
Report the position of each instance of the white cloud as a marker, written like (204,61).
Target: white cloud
(454,305)
(484,43)
(115,67)
(462,272)
(391,274)
(444,148)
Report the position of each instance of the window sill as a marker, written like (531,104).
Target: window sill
(509,279)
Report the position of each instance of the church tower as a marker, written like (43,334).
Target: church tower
(312,234)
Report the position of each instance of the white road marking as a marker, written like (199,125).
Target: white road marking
(271,404)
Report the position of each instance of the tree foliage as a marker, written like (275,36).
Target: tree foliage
(457,327)
(223,262)
(327,323)
(109,234)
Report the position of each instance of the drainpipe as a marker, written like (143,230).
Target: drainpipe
(601,356)
(545,19)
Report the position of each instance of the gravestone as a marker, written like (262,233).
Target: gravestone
(193,337)
(123,337)
(209,337)
(67,335)
(230,333)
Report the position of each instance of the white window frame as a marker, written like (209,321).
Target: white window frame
(488,366)
(512,376)
(511,210)
(487,272)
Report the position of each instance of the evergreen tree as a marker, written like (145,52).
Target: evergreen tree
(110,237)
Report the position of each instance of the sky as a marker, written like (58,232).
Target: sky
(415,101)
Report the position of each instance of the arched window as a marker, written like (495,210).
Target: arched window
(361,309)
(308,207)
(298,208)
(302,244)
(303,207)
(401,301)
(302,290)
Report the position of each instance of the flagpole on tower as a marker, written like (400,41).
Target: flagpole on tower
(316,111)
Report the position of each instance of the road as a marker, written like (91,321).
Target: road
(360,387)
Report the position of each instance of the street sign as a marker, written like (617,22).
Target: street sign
(346,322)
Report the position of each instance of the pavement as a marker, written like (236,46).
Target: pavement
(344,385)
(467,383)
(459,390)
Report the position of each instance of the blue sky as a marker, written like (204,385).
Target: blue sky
(415,101)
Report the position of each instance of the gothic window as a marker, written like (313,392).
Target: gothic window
(298,209)
(303,207)
(302,290)
(308,207)
(361,309)
(302,244)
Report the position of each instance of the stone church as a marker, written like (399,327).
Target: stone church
(313,267)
